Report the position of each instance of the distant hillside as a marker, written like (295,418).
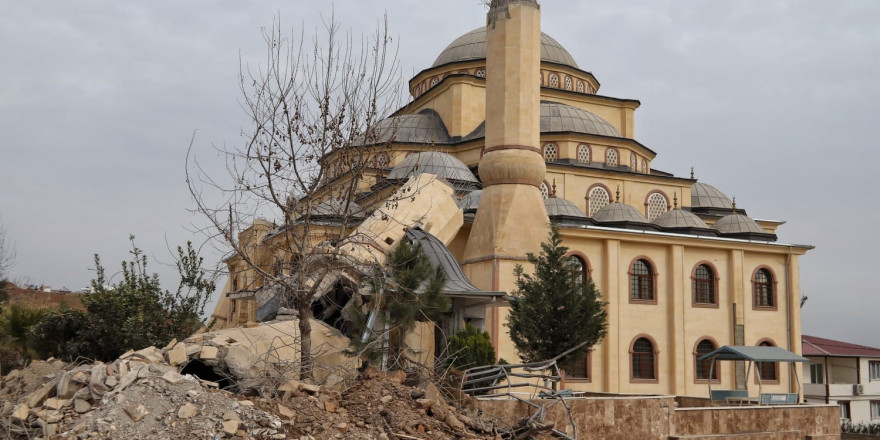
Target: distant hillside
(38,298)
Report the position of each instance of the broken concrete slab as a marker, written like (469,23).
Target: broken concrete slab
(81,406)
(177,354)
(187,410)
(21,413)
(39,396)
(136,412)
(208,353)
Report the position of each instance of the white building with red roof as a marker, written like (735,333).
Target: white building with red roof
(845,374)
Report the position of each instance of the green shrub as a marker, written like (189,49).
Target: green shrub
(471,347)
(16,322)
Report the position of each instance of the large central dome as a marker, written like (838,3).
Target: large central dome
(472,46)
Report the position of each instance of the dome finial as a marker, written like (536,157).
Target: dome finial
(674,200)
(553,192)
(692,173)
(734,204)
(617,197)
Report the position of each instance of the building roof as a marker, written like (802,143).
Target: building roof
(678,218)
(456,283)
(424,127)
(472,46)
(560,207)
(754,354)
(707,196)
(471,201)
(619,212)
(434,162)
(737,224)
(561,118)
(813,346)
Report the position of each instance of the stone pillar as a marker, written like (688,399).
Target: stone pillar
(510,220)
(678,350)
(737,281)
(613,349)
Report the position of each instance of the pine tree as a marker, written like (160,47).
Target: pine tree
(553,310)
(409,290)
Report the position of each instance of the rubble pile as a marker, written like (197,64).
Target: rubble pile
(143,395)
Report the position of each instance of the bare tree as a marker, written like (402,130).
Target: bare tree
(314,106)
(7,254)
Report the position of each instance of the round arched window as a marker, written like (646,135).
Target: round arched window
(545,192)
(583,153)
(568,83)
(580,88)
(657,205)
(554,80)
(481,73)
(611,157)
(633,161)
(551,152)
(704,370)
(598,198)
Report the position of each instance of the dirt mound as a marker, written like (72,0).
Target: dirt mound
(46,300)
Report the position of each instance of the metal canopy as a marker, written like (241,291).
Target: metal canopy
(754,354)
(457,284)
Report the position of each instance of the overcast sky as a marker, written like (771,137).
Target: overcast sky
(772,101)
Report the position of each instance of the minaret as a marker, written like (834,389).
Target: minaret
(511,219)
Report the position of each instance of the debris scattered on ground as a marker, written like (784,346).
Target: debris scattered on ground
(143,395)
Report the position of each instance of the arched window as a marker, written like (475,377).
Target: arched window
(641,281)
(597,199)
(704,285)
(577,267)
(568,83)
(554,80)
(382,160)
(643,360)
(704,370)
(434,81)
(580,88)
(551,152)
(611,157)
(769,370)
(657,205)
(583,153)
(481,73)
(545,192)
(762,285)
(579,369)
(633,162)
(645,166)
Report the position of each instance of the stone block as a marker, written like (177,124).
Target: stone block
(137,412)
(230,427)
(177,355)
(81,406)
(39,396)
(21,413)
(186,411)
(208,353)
(240,361)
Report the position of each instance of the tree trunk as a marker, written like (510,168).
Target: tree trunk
(304,313)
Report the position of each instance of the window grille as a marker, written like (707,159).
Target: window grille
(551,152)
(641,281)
(568,83)
(643,359)
(644,166)
(657,205)
(382,160)
(545,192)
(704,367)
(580,88)
(599,197)
(554,81)
(768,369)
(632,162)
(704,285)
(434,82)
(763,287)
(611,158)
(583,153)
(481,73)
(578,269)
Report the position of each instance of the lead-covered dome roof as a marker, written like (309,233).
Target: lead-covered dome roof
(560,207)
(557,117)
(435,162)
(619,212)
(679,219)
(707,196)
(737,224)
(472,46)
(470,202)
(424,127)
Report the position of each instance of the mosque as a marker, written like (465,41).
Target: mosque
(523,137)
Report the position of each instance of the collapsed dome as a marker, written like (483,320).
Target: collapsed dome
(679,219)
(472,46)
(737,224)
(560,207)
(707,196)
(470,202)
(619,213)
(561,118)
(434,162)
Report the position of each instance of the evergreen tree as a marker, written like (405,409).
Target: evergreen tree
(408,290)
(553,310)
(471,347)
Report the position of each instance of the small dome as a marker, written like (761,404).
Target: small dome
(737,224)
(558,117)
(707,196)
(425,127)
(557,206)
(434,162)
(678,218)
(619,212)
(472,46)
(471,201)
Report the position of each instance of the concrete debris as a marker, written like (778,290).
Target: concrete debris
(145,395)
